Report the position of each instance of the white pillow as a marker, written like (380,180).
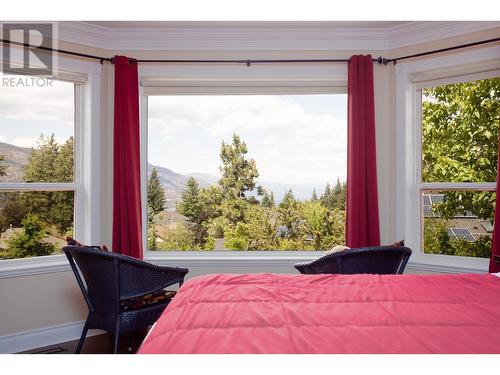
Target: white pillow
(336,249)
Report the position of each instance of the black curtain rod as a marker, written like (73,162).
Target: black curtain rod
(445,49)
(59,51)
(248,62)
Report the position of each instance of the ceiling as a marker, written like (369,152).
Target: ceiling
(248,24)
(263,35)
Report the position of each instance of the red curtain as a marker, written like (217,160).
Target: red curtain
(362,223)
(127,220)
(495,246)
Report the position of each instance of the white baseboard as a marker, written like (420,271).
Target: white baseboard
(37,338)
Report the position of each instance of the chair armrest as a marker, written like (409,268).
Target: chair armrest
(173,273)
(139,278)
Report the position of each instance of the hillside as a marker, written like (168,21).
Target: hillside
(173,182)
(15,159)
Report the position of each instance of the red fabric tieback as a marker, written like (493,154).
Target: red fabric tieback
(127,220)
(362,219)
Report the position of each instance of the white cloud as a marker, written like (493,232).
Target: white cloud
(28,142)
(289,140)
(40,103)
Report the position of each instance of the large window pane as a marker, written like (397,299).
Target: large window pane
(458,222)
(460,131)
(37,130)
(246,172)
(34,223)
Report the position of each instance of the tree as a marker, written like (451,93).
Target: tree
(290,216)
(50,162)
(64,162)
(323,228)
(336,197)
(326,198)
(339,192)
(460,144)
(314,195)
(3,168)
(30,242)
(13,210)
(460,141)
(267,199)
(238,173)
(41,166)
(155,194)
(191,206)
(156,204)
(438,241)
(178,238)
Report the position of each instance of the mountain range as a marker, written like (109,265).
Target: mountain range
(173,182)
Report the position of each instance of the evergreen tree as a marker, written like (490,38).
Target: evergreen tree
(156,195)
(3,168)
(191,206)
(339,193)
(326,197)
(30,241)
(267,199)
(50,162)
(238,173)
(41,165)
(64,163)
(314,196)
(289,215)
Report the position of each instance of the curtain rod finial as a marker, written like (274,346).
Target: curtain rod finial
(382,60)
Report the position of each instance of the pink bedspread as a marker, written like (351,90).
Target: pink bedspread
(267,313)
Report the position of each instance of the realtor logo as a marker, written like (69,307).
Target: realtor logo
(31,49)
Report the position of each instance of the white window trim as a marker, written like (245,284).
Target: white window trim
(87,74)
(178,79)
(410,76)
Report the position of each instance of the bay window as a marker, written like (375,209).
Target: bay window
(447,116)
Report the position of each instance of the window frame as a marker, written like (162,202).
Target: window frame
(411,77)
(273,79)
(86,75)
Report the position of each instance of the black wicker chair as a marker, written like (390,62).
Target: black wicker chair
(110,281)
(376,260)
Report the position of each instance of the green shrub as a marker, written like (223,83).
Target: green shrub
(30,242)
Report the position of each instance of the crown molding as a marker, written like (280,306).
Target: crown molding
(220,36)
(427,31)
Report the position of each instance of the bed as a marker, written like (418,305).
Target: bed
(270,313)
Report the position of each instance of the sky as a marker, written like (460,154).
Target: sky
(28,112)
(296,139)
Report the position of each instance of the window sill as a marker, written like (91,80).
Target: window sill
(447,264)
(220,261)
(33,266)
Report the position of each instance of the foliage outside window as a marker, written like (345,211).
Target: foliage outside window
(37,169)
(460,147)
(236,210)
